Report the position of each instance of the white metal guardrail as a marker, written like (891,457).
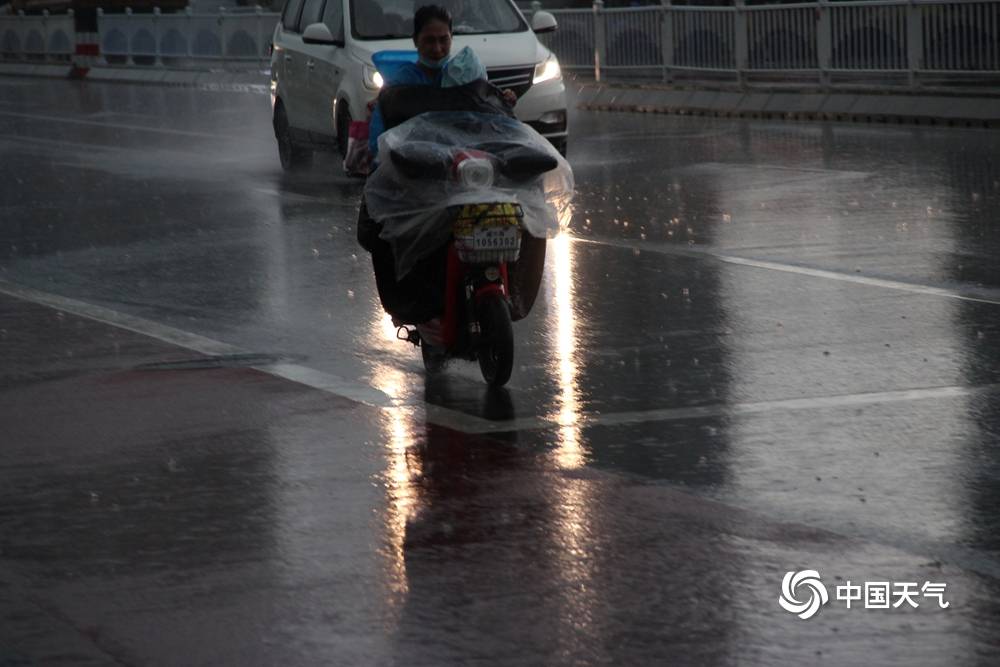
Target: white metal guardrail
(40,39)
(187,39)
(227,39)
(900,41)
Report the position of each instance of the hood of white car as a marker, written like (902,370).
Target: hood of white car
(511,49)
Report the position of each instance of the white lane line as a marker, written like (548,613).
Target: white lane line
(331,384)
(305,199)
(60,143)
(119,126)
(460,421)
(138,325)
(91,149)
(191,341)
(965,558)
(914,288)
(749,166)
(737,409)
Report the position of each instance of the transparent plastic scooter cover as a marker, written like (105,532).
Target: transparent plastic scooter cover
(417,213)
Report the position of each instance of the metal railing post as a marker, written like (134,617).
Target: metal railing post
(23,55)
(102,58)
(667,39)
(222,35)
(72,35)
(914,43)
(259,11)
(45,35)
(600,39)
(741,50)
(824,42)
(189,31)
(128,37)
(157,38)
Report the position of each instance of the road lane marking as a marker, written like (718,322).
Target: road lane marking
(331,384)
(81,145)
(826,274)
(363,393)
(308,199)
(201,344)
(470,424)
(121,126)
(659,415)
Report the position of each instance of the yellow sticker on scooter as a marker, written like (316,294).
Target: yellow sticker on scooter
(492,215)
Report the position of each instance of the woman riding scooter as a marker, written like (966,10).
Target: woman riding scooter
(415,298)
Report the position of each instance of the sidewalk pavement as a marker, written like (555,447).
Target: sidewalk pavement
(862,105)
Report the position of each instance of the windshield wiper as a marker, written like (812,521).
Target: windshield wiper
(388,35)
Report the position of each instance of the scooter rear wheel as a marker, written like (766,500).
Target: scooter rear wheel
(496,350)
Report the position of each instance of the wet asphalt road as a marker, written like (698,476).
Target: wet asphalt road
(760,347)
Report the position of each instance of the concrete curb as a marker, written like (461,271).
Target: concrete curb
(49,71)
(944,109)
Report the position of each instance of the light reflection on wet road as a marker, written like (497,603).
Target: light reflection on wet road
(761,347)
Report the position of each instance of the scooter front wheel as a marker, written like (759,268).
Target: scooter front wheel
(496,350)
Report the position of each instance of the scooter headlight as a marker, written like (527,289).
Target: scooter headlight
(475,173)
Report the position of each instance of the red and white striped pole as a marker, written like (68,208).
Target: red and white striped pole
(88,43)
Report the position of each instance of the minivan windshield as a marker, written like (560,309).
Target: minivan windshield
(393,19)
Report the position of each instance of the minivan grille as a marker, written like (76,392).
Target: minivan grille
(517,79)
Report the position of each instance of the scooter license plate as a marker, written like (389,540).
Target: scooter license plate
(501,237)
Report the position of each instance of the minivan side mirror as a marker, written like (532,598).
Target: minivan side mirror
(319,33)
(543,22)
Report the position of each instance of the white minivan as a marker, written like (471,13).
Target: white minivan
(322,75)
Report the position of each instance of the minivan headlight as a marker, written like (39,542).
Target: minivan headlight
(373,79)
(547,70)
